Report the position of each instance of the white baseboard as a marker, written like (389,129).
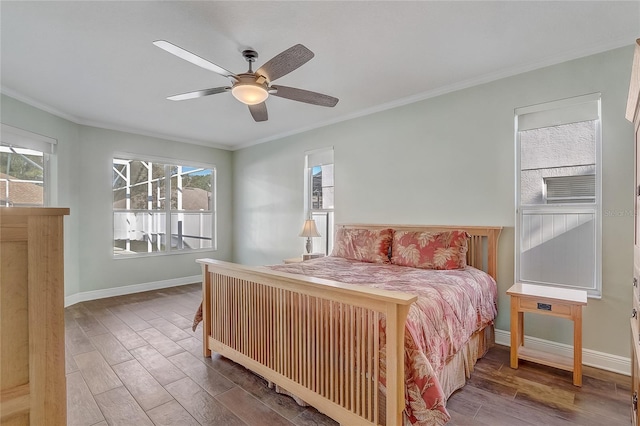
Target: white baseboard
(129,289)
(601,360)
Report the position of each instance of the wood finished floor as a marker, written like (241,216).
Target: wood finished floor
(133,360)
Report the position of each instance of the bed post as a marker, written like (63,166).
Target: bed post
(492,257)
(206,310)
(396,318)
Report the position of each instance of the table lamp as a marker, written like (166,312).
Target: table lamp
(309,230)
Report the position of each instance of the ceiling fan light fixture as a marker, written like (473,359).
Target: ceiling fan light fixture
(250,94)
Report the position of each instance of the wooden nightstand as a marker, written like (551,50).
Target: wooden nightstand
(563,303)
(293,260)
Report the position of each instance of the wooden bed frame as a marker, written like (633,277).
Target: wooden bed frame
(319,339)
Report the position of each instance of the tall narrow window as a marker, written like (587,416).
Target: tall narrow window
(24,168)
(161,207)
(558,227)
(319,196)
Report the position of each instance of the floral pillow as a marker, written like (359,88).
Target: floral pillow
(430,250)
(365,245)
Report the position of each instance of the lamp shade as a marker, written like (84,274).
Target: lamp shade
(309,229)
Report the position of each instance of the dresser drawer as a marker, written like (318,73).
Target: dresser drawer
(542,305)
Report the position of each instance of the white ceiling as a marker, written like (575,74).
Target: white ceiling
(94,62)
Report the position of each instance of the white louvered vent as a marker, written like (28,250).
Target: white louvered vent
(570,189)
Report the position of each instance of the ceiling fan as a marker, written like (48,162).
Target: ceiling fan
(254,87)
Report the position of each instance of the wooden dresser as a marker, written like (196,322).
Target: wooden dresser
(32,364)
(633,115)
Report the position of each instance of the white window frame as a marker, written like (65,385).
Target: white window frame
(168,211)
(313,158)
(20,138)
(563,111)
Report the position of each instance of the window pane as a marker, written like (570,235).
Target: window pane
(565,151)
(322,187)
(191,188)
(192,230)
(138,232)
(141,205)
(141,182)
(21,177)
(324,225)
(316,187)
(558,248)
(327,186)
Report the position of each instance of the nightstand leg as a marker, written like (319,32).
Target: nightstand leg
(521,328)
(577,345)
(516,329)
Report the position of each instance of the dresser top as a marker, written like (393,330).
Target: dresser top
(34,211)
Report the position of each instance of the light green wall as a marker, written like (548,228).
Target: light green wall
(84,172)
(445,160)
(450,160)
(98,268)
(66,188)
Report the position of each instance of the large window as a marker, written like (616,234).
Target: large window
(21,177)
(558,227)
(160,208)
(319,190)
(24,168)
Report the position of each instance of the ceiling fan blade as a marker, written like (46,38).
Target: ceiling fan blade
(259,111)
(199,93)
(285,62)
(194,59)
(305,96)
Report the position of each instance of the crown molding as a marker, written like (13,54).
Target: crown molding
(476,81)
(483,79)
(103,125)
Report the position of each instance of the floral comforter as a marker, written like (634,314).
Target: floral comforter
(451,306)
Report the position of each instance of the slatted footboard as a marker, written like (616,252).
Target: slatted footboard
(318,339)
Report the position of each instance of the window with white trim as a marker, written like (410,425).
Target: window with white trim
(162,208)
(319,196)
(558,185)
(24,168)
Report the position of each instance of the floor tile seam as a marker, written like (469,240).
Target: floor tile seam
(92,397)
(194,380)
(84,352)
(167,335)
(80,370)
(252,396)
(203,390)
(178,402)
(131,395)
(147,370)
(138,402)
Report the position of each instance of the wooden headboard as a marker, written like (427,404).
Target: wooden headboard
(483,244)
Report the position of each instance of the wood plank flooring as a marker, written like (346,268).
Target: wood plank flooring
(133,360)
